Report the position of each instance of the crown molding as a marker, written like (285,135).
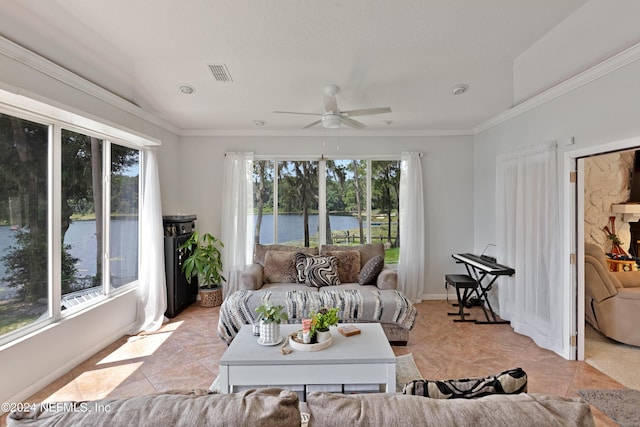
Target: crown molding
(38,63)
(607,66)
(30,59)
(332,133)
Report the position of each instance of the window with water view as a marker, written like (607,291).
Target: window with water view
(287,199)
(99,183)
(24,181)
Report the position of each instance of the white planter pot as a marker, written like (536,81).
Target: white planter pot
(322,336)
(269,332)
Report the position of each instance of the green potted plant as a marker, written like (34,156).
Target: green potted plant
(321,321)
(270,317)
(205,263)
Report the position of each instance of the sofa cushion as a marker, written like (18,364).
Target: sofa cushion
(261,250)
(378,409)
(348,265)
(513,381)
(367,251)
(371,269)
(322,271)
(264,407)
(280,267)
(362,304)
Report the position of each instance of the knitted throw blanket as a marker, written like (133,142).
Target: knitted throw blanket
(382,306)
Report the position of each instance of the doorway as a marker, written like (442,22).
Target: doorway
(610,162)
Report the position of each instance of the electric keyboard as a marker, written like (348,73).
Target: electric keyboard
(485,271)
(485,264)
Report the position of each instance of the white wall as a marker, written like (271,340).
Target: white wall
(603,111)
(590,35)
(448,182)
(597,115)
(35,360)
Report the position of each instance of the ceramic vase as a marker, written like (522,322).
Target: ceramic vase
(322,336)
(269,332)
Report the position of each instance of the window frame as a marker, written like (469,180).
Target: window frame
(107,289)
(322,189)
(56,119)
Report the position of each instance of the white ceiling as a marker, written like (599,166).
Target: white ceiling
(282,53)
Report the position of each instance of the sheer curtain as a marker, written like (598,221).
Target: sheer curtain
(412,245)
(152,294)
(528,239)
(237,205)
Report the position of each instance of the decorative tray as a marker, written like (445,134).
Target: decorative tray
(297,344)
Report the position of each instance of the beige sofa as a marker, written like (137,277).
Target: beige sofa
(612,299)
(360,296)
(281,408)
(281,271)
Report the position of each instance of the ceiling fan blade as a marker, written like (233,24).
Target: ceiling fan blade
(297,112)
(312,124)
(330,104)
(353,123)
(367,111)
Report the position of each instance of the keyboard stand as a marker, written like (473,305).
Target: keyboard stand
(482,296)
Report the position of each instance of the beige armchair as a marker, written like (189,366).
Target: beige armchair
(612,299)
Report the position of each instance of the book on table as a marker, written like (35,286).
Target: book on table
(348,330)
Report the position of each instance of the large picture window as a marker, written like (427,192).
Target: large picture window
(297,213)
(359,200)
(123,230)
(24,229)
(95,184)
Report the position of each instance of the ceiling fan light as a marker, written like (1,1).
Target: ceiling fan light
(331,121)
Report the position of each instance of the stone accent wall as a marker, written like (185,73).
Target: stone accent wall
(606,182)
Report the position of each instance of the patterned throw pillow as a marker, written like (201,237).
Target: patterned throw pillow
(279,267)
(301,264)
(513,381)
(321,271)
(348,265)
(371,269)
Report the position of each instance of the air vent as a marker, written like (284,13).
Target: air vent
(220,72)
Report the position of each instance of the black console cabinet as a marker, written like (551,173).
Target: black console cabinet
(180,294)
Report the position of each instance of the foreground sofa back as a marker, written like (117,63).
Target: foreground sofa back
(269,407)
(276,407)
(521,410)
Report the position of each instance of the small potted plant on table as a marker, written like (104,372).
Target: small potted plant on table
(270,318)
(321,321)
(205,262)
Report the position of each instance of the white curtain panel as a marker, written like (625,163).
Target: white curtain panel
(528,239)
(412,241)
(152,290)
(237,221)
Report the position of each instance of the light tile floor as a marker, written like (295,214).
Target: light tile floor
(184,355)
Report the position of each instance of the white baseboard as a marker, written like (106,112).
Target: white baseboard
(435,297)
(44,381)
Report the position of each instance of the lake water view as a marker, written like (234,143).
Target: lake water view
(290,227)
(81,236)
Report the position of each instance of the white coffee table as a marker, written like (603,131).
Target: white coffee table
(350,362)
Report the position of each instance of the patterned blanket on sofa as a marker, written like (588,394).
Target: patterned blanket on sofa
(383,306)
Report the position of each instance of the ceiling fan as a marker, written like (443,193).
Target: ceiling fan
(332,117)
